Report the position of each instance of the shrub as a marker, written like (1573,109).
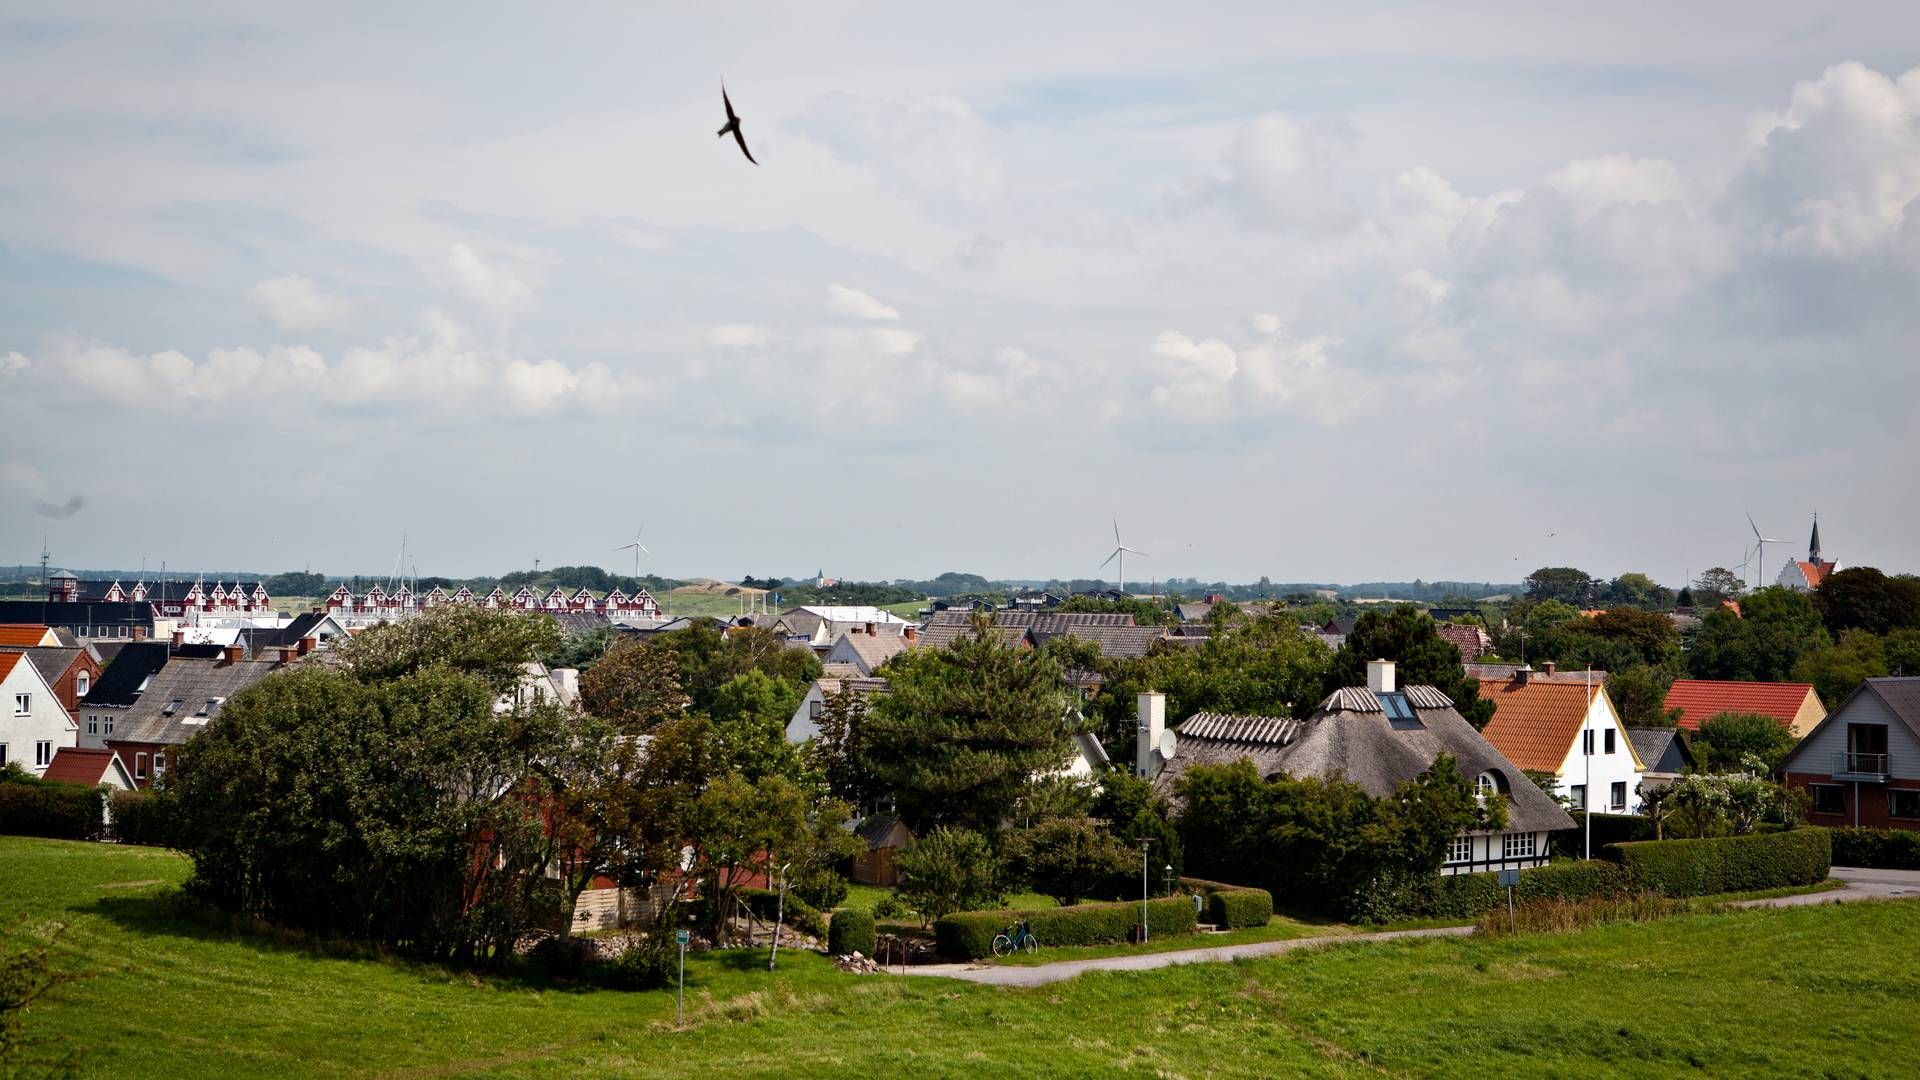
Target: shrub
(1468,896)
(1233,909)
(891,906)
(138,818)
(1726,863)
(765,904)
(949,870)
(968,935)
(1607,829)
(850,932)
(30,806)
(822,888)
(561,958)
(1880,849)
(646,964)
(1069,858)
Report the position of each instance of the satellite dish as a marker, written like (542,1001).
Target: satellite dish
(1169,742)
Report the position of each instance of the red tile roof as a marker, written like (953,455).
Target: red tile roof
(1703,698)
(7,660)
(1472,641)
(1534,725)
(1813,573)
(73,765)
(22,635)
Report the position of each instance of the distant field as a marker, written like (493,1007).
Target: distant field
(1827,991)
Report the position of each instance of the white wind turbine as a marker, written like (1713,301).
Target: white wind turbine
(637,548)
(1760,572)
(1121,551)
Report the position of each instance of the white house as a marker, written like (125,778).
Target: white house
(34,725)
(805,723)
(1573,734)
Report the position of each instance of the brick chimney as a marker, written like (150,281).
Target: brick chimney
(1546,668)
(307,645)
(233,654)
(1380,676)
(912,634)
(872,630)
(179,638)
(289,653)
(139,633)
(1521,674)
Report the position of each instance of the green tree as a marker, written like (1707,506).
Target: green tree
(1421,656)
(1133,813)
(840,754)
(949,870)
(1639,692)
(1838,669)
(1144,612)
(1068,859)
(636,687)
(1863,598)
(580,650)
(742,829)
(750,714)
(1903,652)
(965,729)
(1775,628)
(1717,585)
(709,659)
(1639,591)
(1562,583)
(492,644)
(1725,740)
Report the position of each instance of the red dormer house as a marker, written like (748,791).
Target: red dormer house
(341,597)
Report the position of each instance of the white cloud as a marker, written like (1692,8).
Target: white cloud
(13,363)
(1281,174)
(491,285)
(738,336)
(295,305)
(1592,184)
(855,304)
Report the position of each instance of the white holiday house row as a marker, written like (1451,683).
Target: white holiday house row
(378,601)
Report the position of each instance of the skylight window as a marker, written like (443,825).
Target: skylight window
(1400,714)
(172,707)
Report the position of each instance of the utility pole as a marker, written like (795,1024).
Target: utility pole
(1146,842)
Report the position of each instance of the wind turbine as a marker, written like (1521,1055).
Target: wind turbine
(637,547)
(1760,573)
(1121,551)
(1746,560)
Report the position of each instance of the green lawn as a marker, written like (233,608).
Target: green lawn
(1829,990)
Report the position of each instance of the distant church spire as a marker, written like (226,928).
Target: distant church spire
(1813,545)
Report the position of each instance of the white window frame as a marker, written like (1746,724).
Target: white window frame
(22,704)
(93,723)
(82,682)
(107,723)
(3,755)
(1516,846)
(1621,787)
(1608,742)
(159,762)
(1459,850)
(140,766)
(43,753)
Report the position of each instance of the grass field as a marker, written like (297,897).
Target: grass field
(1806,991)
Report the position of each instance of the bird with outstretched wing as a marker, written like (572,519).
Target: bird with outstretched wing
(733,124)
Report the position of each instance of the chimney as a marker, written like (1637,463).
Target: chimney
(308,644)
(1521,674)
(912,634)
(139,633)
(1152,711)
(568,680)
(1380,676)
(233,654)
(872,630)
(179,638)
(1546,668)
(289,653)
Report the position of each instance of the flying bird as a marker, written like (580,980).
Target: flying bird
(733,124)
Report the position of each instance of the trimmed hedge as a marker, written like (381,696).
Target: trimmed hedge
(968,935)
(137,819)
(1607,829)
(802,916)
(1721,864)
(1878,849)
(1469,896)
(31,806)
(1234,909)
(850,932)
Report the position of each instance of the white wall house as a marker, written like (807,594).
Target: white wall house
(33,723)
(1601,771)
(1563,729)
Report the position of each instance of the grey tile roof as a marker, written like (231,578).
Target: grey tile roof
(120,681)
(51,661)
(1902,696)
(1126,642)
(1662,750)
(193,683)
(1350,735)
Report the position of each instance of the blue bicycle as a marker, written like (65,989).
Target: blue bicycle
(1017,937)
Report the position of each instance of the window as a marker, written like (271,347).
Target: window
(1828,798)
(42,754)
(1460,849)
(139,766)
(1903,802)
(1617,795)
(213,703)
(3,755)
(813,710)
(159,762)
(1609,740)
(1586,742)
(106,724)
(93,723)
(172,707)
(1517,845)
(22,704)
(123,631)
(1579,796)
(82,683)
(1399,710)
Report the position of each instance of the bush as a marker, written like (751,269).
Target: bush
(891,906)
(1879,849)
(1468,896)
(1726,863)
(821,888)
(765,904)
(644,965)
(850,932)
(30,806)
(1233,909)
(949,870)
(561,958)
(1607,829)
(968,935)
(138,818)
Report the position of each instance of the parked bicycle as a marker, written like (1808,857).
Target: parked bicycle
(1016,938)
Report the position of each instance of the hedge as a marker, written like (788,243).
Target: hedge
(1234,909)
(1607,829)
(30,806)
(1878,849)
(1721,864)
(1468,896)
(136,819)
(968,935)
(850,932)
(802,916)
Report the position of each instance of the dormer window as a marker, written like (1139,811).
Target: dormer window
(1399,710)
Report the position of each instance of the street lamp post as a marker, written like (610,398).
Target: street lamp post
(1146,842)
(1169,873)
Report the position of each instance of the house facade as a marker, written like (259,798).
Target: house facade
(1569,732)
(1861,765)
(377,602)
(33,724)
(70,670)
(1805,575)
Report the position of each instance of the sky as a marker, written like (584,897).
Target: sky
(1316,292)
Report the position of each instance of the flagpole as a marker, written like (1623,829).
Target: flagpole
(1586,744)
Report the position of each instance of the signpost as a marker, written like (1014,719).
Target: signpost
(680,996)
(1508,879)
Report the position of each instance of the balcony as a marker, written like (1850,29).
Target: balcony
(1871,768)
